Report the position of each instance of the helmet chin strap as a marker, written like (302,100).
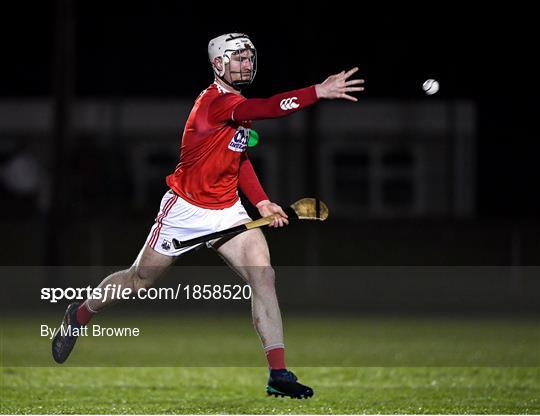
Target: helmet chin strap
(238,85)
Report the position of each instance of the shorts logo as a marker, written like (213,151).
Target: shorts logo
(240,140)
(289,103)
(166,245)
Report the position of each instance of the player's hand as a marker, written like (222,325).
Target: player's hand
(337,86)
(267,208)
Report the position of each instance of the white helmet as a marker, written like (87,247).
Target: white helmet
(224,47)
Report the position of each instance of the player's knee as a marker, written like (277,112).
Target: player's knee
(263,276)
(142,277)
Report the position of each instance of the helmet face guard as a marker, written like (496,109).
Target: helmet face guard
(234,47)
(241,55)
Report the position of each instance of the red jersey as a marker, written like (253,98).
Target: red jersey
(211,151)
(213,162)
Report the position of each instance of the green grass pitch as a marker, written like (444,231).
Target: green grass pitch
(211,365)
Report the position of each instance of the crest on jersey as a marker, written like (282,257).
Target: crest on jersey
(239,141)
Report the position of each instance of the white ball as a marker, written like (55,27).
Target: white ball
(430,86)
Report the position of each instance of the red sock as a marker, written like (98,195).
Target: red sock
(84,314)
(276,358)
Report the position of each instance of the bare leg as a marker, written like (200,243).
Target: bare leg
(144,272)
(146,269)
(248,255)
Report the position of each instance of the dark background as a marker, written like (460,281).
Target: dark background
(157,50)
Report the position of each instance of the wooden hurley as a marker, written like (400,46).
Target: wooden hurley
(303,209)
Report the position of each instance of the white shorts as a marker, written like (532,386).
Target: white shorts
(179,219)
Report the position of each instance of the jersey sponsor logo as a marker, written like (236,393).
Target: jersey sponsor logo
(289,103)
(240,140)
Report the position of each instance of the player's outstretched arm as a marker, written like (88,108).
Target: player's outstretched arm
(233,107)
(278,105)
(339,85)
